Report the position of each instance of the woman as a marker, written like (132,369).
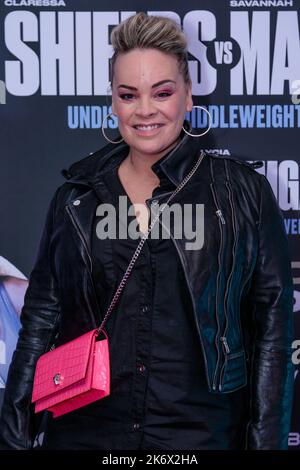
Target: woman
(200,338)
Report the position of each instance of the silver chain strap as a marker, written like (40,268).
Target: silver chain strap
(143,240)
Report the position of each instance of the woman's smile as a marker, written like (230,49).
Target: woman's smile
(148,130)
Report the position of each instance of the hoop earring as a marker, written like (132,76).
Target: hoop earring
(112,141)
(210,122)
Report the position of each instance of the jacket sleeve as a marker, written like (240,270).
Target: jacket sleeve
(271,304)
(18,423)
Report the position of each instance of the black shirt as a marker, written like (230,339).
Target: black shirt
(159,397)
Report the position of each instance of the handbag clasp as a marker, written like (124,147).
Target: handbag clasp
(57,379)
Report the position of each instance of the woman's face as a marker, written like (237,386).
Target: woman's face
(139,99)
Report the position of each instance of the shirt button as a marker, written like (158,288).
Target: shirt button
(155,206)
(142,368)
(136,426)
(145,308)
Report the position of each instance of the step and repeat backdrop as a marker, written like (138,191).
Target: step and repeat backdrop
(244,59)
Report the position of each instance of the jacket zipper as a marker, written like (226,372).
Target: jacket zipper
(56,335)
(223,338)
(221,222)
(53,344)
(220,215)
(77,228)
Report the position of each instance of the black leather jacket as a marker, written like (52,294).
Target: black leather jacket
(240,284)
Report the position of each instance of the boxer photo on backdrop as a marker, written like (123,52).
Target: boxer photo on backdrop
(13,285)
(199,336)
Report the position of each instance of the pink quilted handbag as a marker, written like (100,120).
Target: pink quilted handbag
(72,375)
(78,372)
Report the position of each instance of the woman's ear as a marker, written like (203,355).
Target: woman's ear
(189,99)
(113,107)
(112,101)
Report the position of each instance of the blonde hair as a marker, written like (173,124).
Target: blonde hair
(147,31)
